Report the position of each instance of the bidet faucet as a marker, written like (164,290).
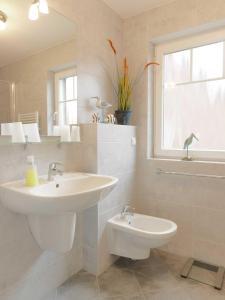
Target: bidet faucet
(54,170)
(127,211)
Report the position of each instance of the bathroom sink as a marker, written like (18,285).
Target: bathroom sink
(51,207)
(70,192)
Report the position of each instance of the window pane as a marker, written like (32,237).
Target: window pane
(197,108)
(71,112)
(69,88)
(177,67)
(208,61)
(62,95)
(62,114)
(68,113)
(75,87)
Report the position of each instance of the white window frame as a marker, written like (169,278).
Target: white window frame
(58,76)
(167,48)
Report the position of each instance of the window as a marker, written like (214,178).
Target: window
(190,96)
(66,97)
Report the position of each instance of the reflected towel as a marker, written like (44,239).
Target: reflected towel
(15,130)
(32,133)
(75,133)
(63,132)
(56,131)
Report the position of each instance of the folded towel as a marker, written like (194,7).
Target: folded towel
(75,133)
(32,133)
(56,131)
(6,128)
(15,130)
(63,132)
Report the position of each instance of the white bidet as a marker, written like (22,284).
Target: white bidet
(134,236)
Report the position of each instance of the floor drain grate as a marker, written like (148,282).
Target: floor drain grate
(204,273)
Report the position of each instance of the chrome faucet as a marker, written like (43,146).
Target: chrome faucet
(127,211)
(54,170)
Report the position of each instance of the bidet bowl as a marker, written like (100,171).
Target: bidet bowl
(134,236)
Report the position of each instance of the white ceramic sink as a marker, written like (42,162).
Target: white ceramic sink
(71,192)
(51,207)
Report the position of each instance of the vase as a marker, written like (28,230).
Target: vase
(123,116)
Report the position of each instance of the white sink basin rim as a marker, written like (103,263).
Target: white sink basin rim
(71,192)
(51,207)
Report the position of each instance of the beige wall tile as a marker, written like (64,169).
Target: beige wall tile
(170,196)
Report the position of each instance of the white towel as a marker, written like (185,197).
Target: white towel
(63,132)
(6,128)
(15,130)
(75,133)
(56,131)
(32,133)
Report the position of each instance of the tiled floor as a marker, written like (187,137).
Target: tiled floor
(156,278)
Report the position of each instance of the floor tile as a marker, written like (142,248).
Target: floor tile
(174,263)
(81,286)
(118,282)
(140,297)
(177,294)
(156,278)
(204,292)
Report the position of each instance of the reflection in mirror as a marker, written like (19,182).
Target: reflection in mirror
(38,78)
(5,102)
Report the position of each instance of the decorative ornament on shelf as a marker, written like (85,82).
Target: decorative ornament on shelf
(95,118)
(123,86)
(187,144)
(110,119)
(102,106)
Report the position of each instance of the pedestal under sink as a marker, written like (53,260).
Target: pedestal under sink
(51,207)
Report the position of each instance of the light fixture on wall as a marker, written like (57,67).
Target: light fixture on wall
(38,6)
(3,20)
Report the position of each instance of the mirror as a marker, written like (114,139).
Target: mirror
(5,102)
(38,81)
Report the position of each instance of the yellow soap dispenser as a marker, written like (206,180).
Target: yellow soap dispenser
(31,175)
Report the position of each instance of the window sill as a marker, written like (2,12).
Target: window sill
(192,162)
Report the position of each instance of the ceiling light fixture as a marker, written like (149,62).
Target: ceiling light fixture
(36,7)
(3,20)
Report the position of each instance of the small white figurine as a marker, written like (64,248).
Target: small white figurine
(102,106)
(187,144)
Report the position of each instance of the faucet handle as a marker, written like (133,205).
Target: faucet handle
(126,209)
(53,165)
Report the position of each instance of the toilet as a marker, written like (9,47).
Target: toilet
(134,236)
